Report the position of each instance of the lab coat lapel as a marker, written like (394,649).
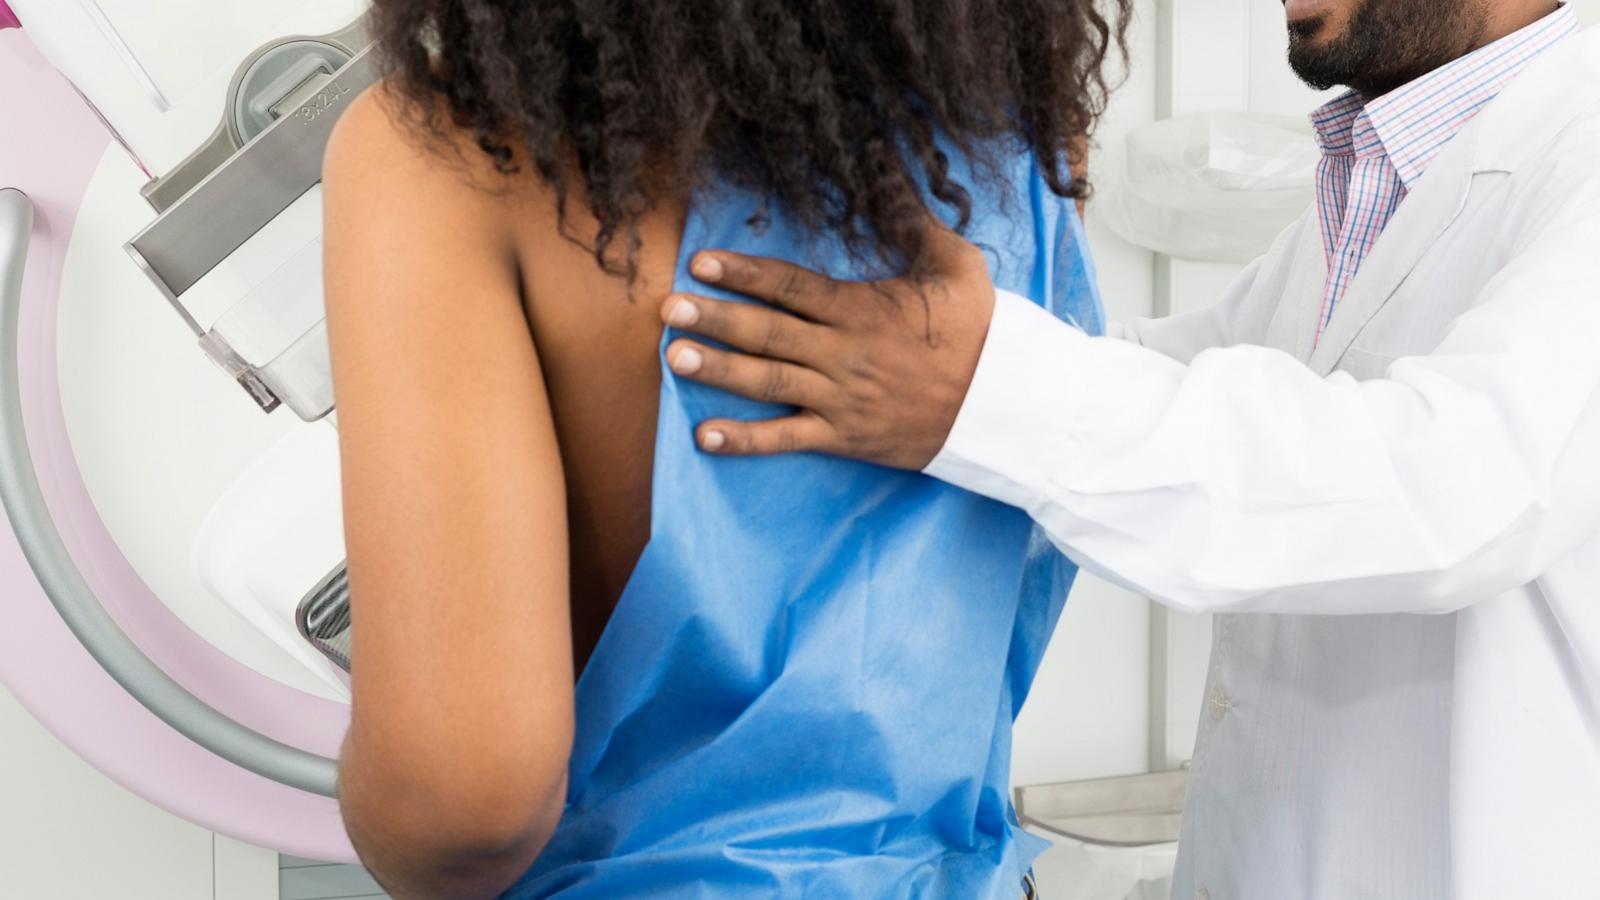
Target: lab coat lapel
(1436,202)
(1307,284)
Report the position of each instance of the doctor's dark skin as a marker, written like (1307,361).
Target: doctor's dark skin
(879,371)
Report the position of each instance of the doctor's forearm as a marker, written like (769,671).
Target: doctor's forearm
(1244,482)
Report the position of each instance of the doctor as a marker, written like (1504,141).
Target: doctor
(1378,457)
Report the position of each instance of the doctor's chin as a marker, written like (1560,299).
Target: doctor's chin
(880,449)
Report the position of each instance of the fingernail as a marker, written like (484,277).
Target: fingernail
(707,268)
(687,361)
(714,440)
(683,313)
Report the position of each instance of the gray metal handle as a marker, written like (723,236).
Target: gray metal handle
(64,584)
(241,196)
(229,138)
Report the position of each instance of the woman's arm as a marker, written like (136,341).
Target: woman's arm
(453,774)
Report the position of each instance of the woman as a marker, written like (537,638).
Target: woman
(797,676)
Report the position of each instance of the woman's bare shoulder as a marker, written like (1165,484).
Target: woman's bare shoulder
(387,145)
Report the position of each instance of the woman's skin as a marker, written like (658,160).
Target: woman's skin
(497,397)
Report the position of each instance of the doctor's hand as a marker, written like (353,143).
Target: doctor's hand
(878,370)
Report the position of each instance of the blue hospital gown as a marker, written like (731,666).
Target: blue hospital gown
(808,686)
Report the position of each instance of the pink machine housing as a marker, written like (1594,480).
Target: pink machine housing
(159,527)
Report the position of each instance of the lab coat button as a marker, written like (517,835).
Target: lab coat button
(1219,703)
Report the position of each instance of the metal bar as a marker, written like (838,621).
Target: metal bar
(252,188)
(1160,619)
(70,593)
(1129,811)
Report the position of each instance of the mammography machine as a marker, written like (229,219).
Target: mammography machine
(160,272)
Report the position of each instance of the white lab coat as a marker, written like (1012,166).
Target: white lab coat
(1437,453)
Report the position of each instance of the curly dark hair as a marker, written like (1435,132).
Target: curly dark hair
(832,108)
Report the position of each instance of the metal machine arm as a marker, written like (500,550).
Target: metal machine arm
(42,545)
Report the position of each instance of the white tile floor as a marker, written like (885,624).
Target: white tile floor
(309,879)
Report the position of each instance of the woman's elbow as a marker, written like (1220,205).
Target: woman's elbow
(461,832)
(503,819)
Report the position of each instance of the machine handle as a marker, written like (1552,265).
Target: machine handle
(70,593)
(242,195)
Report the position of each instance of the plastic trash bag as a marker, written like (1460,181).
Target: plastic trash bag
(1216,186)
(1071,870)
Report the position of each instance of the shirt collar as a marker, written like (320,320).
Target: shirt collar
(1335,124)
(1413,123)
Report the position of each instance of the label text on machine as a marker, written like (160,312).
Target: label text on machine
(325,100)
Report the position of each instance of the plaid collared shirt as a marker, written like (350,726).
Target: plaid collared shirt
(1375,152)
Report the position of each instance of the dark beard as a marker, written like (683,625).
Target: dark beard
(1390,43)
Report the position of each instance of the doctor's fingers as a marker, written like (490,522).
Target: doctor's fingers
(765,380)
(800,433)
(779,283)
(753,329)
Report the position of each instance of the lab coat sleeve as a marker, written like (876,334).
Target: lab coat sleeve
(1241,481)
(1183,336)
(1236,318)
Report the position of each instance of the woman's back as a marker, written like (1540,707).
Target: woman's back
(597,336)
